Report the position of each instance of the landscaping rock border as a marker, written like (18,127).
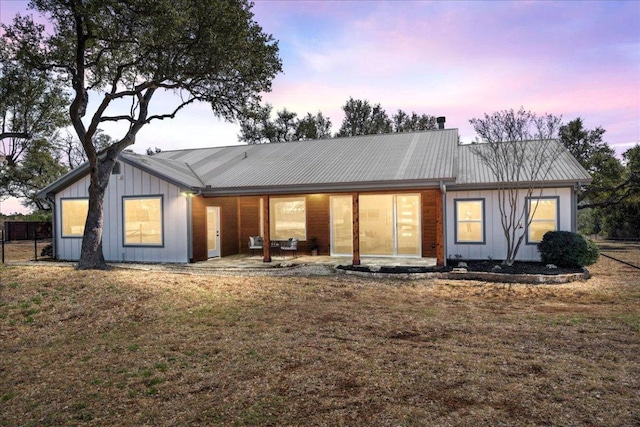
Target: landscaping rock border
(462,274)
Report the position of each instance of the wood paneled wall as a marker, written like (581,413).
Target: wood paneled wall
(431,235)
(248,221)
(228,225)
(318,222)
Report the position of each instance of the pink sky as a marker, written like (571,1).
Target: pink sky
(456,59)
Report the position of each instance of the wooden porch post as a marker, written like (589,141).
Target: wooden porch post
(439,229)
(356,228)
(266,239)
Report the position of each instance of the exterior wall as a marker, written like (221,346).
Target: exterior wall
(495,245)
(432,238)
(248,221)
(130,182)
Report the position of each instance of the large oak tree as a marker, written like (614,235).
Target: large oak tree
(117,55)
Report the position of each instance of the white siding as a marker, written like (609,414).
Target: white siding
(130,182)
(495,244)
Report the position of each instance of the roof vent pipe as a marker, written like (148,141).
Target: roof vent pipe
(440,120)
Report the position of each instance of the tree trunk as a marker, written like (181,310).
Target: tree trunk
(91,256)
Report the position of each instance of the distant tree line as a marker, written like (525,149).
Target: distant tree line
(258,126)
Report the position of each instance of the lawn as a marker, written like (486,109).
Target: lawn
(625,251)
(134,348)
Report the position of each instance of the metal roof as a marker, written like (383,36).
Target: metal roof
(393,158)
(564,167)
(398,160)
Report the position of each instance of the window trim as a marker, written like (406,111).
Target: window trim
(557,219)
(124,222)
(483,221)
(71,236)
(272,217)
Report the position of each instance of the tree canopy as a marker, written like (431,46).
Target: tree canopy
(257,126)
(612,181)
(361,118)
(123,52)
(32,108)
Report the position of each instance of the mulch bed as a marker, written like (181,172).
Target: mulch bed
(519,267)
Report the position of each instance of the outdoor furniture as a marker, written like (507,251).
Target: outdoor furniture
(255,243)
(274,245)
(290,245)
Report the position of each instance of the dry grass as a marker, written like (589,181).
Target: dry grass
(625,251)
(131,348)
(24,250)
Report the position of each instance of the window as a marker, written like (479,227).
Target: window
(469,215)
(288,218)
(342,225)
(73,213)
(143,221)
(376,224)
(543,217)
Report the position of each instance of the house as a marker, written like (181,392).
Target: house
(416,194)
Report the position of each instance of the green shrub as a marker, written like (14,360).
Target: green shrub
(567,249)
(47,251)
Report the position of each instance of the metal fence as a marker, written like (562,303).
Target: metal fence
(23,250)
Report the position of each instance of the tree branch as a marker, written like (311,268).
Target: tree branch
(22,135)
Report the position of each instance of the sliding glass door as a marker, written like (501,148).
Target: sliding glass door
(389,225)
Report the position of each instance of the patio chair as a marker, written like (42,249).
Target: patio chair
(255,243)
(290,245)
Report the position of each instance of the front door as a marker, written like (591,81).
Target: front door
(213,231)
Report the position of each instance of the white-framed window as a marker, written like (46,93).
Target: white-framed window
(143,221)
(542,213)
(469,214)
(287,218)
(73,215)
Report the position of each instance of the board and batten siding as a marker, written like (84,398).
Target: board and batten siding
(130,182)
(495,244)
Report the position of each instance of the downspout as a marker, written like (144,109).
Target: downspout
(574,207)
(443,191)
(189,198)
(54,227)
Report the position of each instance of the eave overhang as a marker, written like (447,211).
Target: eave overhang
(340,187)
(521,185)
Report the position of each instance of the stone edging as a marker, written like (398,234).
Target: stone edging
(477,275)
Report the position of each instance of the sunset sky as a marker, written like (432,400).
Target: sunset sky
(445,58)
